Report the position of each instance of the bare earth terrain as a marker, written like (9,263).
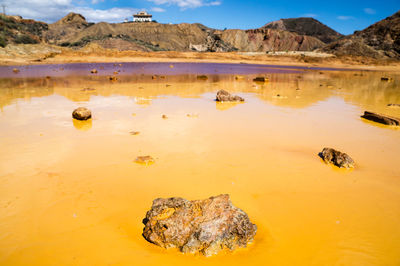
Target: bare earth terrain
(27,54)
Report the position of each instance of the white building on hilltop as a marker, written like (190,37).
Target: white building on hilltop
(142,16)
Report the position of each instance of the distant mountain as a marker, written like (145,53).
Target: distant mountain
(74,31)
(380,40)
(14,29)
(306,26)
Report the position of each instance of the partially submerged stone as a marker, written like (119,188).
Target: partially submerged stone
(224,96)
(93,71)
(260,79)
(394,105)
(81,113)
(164,117)
(386,79)
(134,133)
(199,226)
(112,78)
(202,77)
(380,118)
(146,160)
(15,70)
(340,159)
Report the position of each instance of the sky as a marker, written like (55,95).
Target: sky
(341,15)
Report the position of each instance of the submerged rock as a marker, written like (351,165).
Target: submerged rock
(224,96)
(146,160)
(394,105)
(340,159)
(93,71)
(199,226)
(380,118)
(82,113)
(15,70)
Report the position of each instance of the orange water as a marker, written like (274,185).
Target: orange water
(71,194)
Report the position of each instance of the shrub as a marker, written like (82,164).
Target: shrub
(24,38)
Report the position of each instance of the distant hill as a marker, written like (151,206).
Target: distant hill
(14,29)
(380,40)
(306,26)
(74,31)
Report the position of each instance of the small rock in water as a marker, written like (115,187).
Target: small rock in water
(15,70)
(146,160)
(261,79)
(81,113)
(154,77)
(199,226)
(202,77)
(380,118)
(93,71)
(134,133)
(224,96)
(340,159)
(394,105)
(113,78)
(386,79)
(239,77)
(164,117)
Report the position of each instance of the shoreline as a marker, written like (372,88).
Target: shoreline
(23,55)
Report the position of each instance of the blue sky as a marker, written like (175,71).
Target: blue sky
(343,16)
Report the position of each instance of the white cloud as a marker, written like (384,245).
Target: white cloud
(184,4)
(157,9)
(310,15)
(369,11)
(345,17)
(53,10)
(108,15)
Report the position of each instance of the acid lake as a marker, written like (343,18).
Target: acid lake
(71,192)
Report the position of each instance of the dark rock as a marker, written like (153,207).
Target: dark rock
(395,105)
(260,79)
(340,159)
(205,226)
(224,96)
(386,79)
(164,117)
(15,70)
(93,71)
(81,113)
(202,77)
(113,78)
(380,118)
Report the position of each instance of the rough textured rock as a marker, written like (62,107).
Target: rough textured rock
(380,40)
(266,40)
(81,113)
(224,96)
(204,226)
(340,159)
(394,105)
(306,26)
(380,118)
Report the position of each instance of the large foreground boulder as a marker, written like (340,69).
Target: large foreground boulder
(380,118)
(82,113)
(224,96)
(340,159)
(205,226)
